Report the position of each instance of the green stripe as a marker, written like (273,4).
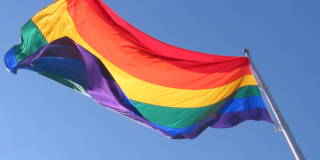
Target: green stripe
(31,41)
(185,117)
(67,83)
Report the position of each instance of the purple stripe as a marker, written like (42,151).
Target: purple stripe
(101,85)
(221,120)
(226,120)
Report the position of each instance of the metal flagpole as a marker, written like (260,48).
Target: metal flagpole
(284,126)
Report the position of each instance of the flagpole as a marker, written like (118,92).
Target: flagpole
(284,126)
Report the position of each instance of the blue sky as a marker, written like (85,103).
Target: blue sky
(41,119)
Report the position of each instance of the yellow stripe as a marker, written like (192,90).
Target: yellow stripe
(55,22)
(179,98)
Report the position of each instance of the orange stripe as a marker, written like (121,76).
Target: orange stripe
(147,67)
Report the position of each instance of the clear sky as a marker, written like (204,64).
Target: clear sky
(41,119)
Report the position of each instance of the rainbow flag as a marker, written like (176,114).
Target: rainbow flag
(84,45)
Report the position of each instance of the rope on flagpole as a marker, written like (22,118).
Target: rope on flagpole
(281,121)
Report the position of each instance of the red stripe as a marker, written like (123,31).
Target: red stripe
(149,44)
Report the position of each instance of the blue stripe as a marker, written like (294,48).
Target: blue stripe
(185,131)
(66,68)
(242,104)
(10,60)
(130,105)
(232,106)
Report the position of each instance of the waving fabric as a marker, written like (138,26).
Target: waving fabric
(84,45)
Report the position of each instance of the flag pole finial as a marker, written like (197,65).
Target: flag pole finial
(245,51)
